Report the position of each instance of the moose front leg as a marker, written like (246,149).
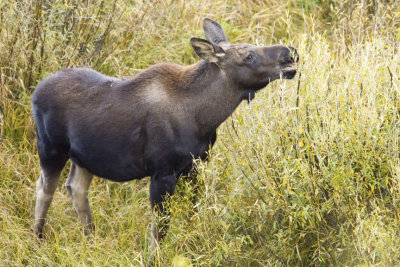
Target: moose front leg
(192,175)
(160,188)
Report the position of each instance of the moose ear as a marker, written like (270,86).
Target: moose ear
(214,32)
(206,50)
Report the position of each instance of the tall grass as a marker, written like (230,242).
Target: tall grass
(307,174)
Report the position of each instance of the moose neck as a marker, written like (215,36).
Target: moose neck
(213,96)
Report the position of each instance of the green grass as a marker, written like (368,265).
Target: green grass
(307,174)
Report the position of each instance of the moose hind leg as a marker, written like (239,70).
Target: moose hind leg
(45,187)
(78,183)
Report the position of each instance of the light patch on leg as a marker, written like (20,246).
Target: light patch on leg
(155,243)
(78,183)
(155,236)
(45,187)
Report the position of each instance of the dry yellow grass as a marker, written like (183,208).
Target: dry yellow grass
(307,174)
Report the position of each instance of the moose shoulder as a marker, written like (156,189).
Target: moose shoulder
(152,124)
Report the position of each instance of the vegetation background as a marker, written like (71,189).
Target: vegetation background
(307,174)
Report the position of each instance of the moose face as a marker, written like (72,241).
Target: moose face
(254,67)
(250,67)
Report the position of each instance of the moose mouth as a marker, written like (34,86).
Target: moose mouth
(288,72)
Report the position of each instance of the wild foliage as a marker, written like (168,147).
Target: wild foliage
(308,173)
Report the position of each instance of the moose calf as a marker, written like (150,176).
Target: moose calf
(151,124)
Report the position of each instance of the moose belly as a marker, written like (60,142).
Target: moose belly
(112,160)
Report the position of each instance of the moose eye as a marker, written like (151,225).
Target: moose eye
(249,57)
